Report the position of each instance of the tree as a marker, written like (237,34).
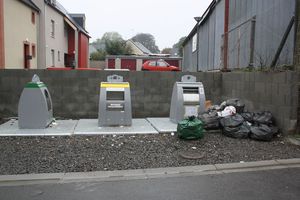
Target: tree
(111,43)
(111,36)
(147,40)
(167,51)
(99,55)
(179,46)
(116,47)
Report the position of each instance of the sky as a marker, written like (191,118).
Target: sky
(166,20)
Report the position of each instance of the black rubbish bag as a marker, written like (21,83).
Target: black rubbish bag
(239,106)
(248,116)
(240,132)
(261,132)
(210,120)
(263,118)
(232,121)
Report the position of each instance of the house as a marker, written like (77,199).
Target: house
(19,22)
(137,48)
(63,40)
(236,34)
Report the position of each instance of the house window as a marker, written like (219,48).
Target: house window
(52,28)
(33,17)
(33,50)
(58,56)
(52,58)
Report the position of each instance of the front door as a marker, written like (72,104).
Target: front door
(26,56)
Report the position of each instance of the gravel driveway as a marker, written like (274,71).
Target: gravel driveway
(22,155)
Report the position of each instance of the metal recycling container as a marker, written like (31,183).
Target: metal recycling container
(35,109)
(188,99)
(114,103)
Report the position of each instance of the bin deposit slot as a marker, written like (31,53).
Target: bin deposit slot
(115,96)
(190,90)
(49,104)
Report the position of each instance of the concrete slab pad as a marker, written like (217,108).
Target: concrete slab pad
(163,125)
(90,127)
(59,128)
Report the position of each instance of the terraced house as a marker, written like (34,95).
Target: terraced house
(19,22)
(42,35)
(63,42)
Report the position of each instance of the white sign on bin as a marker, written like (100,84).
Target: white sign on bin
(191,111)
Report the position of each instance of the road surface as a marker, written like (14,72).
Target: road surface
(265,185)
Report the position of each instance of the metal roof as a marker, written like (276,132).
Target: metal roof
(204,17)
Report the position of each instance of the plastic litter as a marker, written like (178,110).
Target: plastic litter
(240,132)
(190,129)
(263,118)
(239,106)
(232,121)
(210,120)
(228,111)
(262,132)
(248,116)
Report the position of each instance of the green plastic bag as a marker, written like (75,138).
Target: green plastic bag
(190,129)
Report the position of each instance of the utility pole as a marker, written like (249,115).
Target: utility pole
(198,19)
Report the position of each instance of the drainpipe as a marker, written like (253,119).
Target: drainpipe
(226,29)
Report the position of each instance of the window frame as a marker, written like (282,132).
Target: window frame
(33,50)
(33,17)
(52,33)
(53,57)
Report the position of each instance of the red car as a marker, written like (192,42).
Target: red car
(158,65)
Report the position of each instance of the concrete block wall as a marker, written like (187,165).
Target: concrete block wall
(75,94)
(266,91)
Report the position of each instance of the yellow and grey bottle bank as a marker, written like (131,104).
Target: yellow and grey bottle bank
(35,106)
(114,103)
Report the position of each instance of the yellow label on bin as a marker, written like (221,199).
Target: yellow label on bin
(114,85)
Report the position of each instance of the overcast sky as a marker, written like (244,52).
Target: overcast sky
(166,20)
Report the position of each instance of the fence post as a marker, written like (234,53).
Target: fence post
(252,42)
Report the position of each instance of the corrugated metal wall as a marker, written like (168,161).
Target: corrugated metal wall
(271,20)
(210,39)
(189,58)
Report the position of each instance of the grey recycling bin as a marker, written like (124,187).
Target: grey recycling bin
(188,99)
(35,106)
(114,103)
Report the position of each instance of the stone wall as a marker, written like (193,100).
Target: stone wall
(75,94)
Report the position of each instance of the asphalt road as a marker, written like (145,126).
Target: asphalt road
(266,185)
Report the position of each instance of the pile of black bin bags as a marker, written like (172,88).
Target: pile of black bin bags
(257,126)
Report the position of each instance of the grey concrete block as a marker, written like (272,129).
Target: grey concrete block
(279,77)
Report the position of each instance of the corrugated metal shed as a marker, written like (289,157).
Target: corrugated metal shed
(267,19)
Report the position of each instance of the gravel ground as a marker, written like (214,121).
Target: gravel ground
(22,155)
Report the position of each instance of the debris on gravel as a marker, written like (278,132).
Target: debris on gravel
(23,155)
